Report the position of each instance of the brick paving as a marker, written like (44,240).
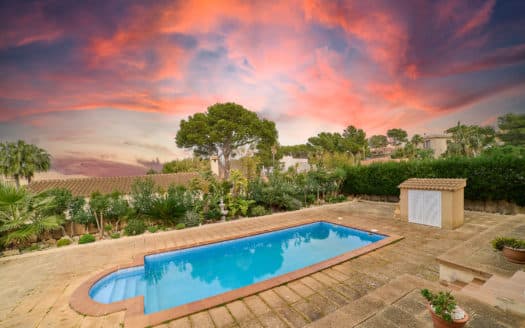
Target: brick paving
(379,289)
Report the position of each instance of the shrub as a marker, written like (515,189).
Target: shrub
(213,214)
(153,229)
(63,242)
(108,227)
(31,248)
(135,227)
(499,242)
(290,203)
(258,211)
(180,226)
(336,199)
(192,219)
(442,303)
(500,177)
(87,238)
(115,235)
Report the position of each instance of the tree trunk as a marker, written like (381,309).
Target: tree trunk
(17,181)
(227,165)
(97,221)
(101,226)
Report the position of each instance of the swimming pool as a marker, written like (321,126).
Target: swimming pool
(175,278)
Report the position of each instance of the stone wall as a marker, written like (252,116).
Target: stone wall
(501,207)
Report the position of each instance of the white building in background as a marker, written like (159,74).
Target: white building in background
(436,142)
(301,164)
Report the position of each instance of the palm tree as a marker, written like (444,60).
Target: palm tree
(21,160)
(470,140)
(23,216)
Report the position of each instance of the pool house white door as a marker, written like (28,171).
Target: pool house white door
(424,207)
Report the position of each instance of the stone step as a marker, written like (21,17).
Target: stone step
(506,287)
(456,285)
(505,293)
(478,281)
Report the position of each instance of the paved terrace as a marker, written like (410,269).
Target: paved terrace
(379,289)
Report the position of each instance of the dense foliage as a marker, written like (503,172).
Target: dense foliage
(24,216)
(512,129)
(493,176)
(194,164)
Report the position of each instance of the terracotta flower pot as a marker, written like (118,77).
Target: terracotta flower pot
(442,323)
(514,255)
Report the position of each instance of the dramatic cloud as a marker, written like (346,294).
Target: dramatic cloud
(147,64)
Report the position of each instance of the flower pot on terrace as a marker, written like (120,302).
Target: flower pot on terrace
(442,323)
(514,255)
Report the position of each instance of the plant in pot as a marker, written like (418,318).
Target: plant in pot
(513,248)
(444,310)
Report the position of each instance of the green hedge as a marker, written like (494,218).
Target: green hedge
(488,177)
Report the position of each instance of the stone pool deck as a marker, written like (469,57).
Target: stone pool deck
(379,289)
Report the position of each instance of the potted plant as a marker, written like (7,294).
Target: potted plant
(513,248)
(444,310)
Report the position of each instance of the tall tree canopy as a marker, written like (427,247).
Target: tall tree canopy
(224,128)
(512,129)
(355,141)
(327,141)
(21,160)
(378,141)
(397,136)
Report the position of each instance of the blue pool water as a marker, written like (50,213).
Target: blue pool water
(179,277)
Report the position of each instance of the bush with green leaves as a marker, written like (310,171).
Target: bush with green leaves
(115,235)
(180,226)
(336,199)
(24,216)
(63,242)
(498,177)
(192,219)
(499,242)
(443,303)
(135,227)
(258,211)
(153,229)
(78,212)
(168,208)
(143,193)
(87,238)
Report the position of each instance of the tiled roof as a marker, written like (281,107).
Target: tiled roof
(105,185)
(434,184)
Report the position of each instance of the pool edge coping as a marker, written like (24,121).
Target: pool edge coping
(81,302)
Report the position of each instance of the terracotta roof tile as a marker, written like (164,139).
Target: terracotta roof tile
(434,184)
(105,185)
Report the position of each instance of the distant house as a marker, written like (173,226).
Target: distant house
(436,142)
(301,164)
(86,186)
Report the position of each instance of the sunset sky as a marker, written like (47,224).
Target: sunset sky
(102,85)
